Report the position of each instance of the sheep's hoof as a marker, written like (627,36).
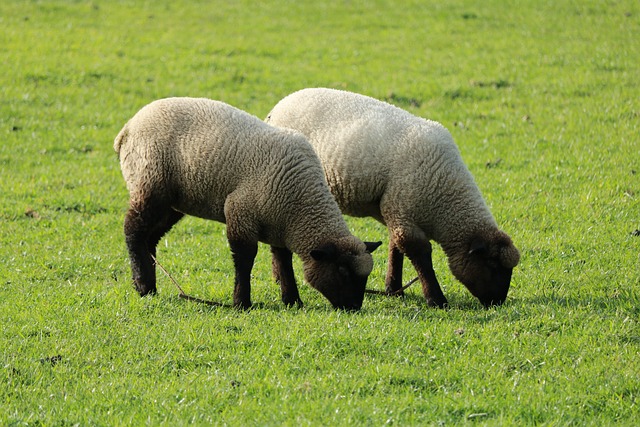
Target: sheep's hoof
(144,290)
(290,302)
(243,305)
(437,303)
(394,293)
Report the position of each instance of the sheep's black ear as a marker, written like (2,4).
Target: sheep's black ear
(326,252)
(478,246)
(372,246)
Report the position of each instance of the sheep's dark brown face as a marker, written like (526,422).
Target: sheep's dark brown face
(486,266)
(340,275)
(488,282)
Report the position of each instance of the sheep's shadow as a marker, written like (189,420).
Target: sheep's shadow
(595,302)
(413,301)
(409,302)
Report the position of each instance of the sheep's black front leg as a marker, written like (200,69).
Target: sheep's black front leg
(420,256)
(282,267)
(393,281)
(244,254)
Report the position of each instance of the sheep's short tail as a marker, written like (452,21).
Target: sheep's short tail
(122,136)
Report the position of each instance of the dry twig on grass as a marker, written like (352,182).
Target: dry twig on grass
(182,294)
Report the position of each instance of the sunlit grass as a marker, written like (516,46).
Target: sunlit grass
(542,100)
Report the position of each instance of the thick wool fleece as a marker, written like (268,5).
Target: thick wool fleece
(384,162)
(204,157)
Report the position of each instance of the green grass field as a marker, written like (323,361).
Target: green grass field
(542,98)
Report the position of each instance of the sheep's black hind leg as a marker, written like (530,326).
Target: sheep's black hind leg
(393,281)
(282,267)
(165,223)
(138,224)
(144,225)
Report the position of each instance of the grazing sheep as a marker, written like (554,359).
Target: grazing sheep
(406,172)
(208,159)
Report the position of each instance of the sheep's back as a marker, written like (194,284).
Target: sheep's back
(380,160)
(196,152)
(364,144)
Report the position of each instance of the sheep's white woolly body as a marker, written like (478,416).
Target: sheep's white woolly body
(205,158)
(384,162)
(204,151)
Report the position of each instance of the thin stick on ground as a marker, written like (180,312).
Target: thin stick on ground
(396,292)
(182,294)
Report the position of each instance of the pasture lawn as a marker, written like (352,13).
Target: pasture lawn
(542,99)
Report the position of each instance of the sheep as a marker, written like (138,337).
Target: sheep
(200,157)
(381,161)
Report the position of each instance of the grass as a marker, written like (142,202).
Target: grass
(542,100)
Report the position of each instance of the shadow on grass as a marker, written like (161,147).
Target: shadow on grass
(413,305)
(409,303)
(627,301)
